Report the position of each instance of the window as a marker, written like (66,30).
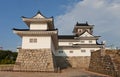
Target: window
(71,51)
(60,51)
(82,41)
(90,41)
(33,40)
(83,51)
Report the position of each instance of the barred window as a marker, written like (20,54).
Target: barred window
(90,41)
(83,51)
(82,41)
(71,51)
(33,40)
(60,51)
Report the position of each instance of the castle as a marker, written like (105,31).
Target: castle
(44,50)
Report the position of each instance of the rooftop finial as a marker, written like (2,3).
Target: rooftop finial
(23,17)
(38,12)
(86,22)
(52,17)
(77,23)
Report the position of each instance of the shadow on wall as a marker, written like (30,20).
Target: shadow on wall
(65,61)
(62,61)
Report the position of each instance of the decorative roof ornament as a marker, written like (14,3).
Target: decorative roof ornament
(87,22)
(39,15)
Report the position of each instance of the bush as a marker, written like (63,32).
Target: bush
(7,57)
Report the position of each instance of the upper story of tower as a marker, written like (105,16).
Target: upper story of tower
(80,28)
(41,33)
(39,22)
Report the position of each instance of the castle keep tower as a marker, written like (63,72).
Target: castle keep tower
(39,44)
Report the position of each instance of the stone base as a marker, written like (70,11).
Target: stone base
(35,60)
(104,64)
(81,62)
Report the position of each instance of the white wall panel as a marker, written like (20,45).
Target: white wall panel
(42,42)
(76,52)
(38,26)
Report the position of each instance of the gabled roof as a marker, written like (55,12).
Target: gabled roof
(86,33)
(37,15)
(75,37)
(39,18)
(66,36)
(89,36)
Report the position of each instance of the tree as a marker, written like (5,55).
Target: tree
(7,57)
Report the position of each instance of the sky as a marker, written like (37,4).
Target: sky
(104,14)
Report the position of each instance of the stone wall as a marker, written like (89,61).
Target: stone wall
(35,60)
(74,62)
(104,64)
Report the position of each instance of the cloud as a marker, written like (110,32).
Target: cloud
(104,14)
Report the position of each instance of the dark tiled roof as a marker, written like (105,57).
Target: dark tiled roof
(83,46)
(36,14)
(21,29)
(33,30)
(66,36)
(82,24)
(63,37)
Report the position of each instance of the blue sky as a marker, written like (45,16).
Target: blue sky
(104,14)
(11,12)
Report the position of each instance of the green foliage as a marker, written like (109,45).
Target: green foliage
(7,57)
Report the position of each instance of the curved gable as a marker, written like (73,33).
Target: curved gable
(86,34)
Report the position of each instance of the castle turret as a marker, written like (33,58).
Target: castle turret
(39,44)
(40,33)
(82,27)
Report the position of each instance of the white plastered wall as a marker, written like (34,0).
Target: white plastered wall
(42,42)
(76,52)
(70,43)
(38,26)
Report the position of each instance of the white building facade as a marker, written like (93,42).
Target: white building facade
(81,43)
